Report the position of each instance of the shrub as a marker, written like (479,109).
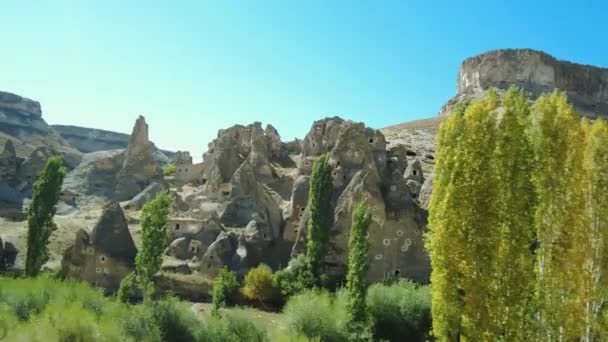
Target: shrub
(224,286)
(128,288)
(295,278)
(169,170)
(259,284)
(317,315)
(174,320)
(236,326)
(400,311)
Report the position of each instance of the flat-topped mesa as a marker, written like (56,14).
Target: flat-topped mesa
(23,105)
(535,72)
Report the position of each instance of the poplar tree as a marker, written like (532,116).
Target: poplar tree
(513,284)
(45,196)
(319,206)
(593,282)
(446,294)
(462,224)
(153,240)
(358,265)
(559,215)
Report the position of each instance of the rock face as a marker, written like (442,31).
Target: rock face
(364,170)
(536,72)
(21,121)
(9,164)
(245,203)
(138,167)
(88,140)
(116,174)
(104,256)
(8,254)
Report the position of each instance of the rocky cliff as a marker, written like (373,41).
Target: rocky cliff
(536,72)
(21,121)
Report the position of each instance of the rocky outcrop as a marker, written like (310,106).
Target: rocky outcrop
(104,256)
(21,121)
(9,164)
(364,170)
(117,174)
(536,72)
(8,255)
(138,167)
(88,140)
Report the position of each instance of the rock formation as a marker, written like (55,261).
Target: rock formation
(88,140)
(536,72)
(104,256)
(21,121)
(8,254)
(138,167)
(364,170)
(248,198)
(116,174)
(9,165)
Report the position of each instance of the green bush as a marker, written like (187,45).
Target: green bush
(45,309)
(295,278)
(317,314)
(224,287)
(169,170)
(259,284)
(400,311)
(236,326)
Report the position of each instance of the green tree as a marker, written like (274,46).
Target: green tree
(559,216)
(259,284)
(153,240)
(594,275)
(513,288)
(319,206)
(224,286)
(358,265)
(463,220)
(169,170)
(45,196)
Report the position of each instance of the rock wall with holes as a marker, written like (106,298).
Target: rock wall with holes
(364,170)
(247,202)
(106,255)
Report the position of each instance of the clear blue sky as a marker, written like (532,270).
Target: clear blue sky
(193,67)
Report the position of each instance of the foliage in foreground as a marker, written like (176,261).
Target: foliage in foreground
(45,196)
(259,284)
(153,240)
(169,170)
(224,287)
(518,229)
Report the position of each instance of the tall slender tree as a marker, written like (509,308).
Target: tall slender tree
(319,220)
(593,276)
(45,196)
(153,240)
(559,215)
(513,284)
(358,265)
(446,294)
(462,224)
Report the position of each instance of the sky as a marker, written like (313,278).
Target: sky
(194,67)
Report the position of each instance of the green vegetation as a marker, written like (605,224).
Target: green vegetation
(517,239)
(400,311)
(358,265)
(319,206)
(169,170)
(45,196)
(294,278)
(224,287)
(153,240)
(260,285)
